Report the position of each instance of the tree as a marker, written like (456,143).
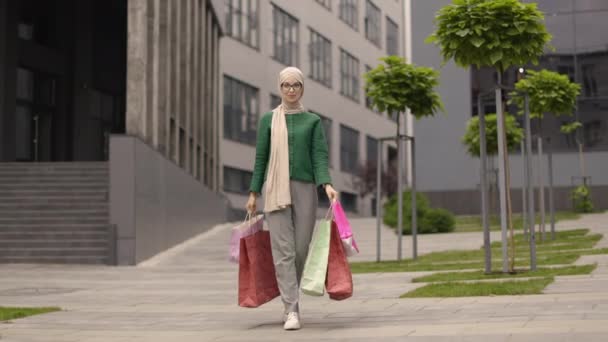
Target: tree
(396,86)
(365,180)
(548,92)
(498,34)
(515,134)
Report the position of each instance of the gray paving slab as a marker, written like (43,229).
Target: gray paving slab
(189,294)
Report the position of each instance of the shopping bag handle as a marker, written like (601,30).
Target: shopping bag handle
(330,212)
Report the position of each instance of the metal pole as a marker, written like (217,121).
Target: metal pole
(524,189)
(501,175)
(414,210)
(541,188)
(529,187)
(484,187)
(378,200)
(399,189)
(551,203)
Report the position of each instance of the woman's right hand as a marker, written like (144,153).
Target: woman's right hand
(251,206)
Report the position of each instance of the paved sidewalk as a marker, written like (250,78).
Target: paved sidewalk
(189,294)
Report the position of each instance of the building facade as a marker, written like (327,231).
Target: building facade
(451,177)
(109,109)
(333,42)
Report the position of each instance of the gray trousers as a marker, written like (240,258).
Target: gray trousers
(290,234)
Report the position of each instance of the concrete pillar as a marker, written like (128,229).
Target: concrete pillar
(216,107)
(208,99)
(175,81)
(201,89)
(152,73)
(196,34)
(137,62)
(164,41)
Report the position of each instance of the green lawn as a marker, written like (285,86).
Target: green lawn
(502,288)
(564,250)
(478,275)
(13,313)
(467,223)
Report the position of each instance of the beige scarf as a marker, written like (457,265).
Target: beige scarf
(277,195)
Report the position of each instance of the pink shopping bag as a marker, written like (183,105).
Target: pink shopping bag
(346,233)
(250,226)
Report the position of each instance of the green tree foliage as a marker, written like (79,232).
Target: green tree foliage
(514,135)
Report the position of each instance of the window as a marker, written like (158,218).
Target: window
(349,13)
(348,201)
(392,37)
(285,37)
(240,111)
(242,21)
(275,101)
(320,58)
(368,101)
(593,133)
(589,80)
(349,76)
(372,150)
(237,181)
(349,149)
(372,23)
(327,122)
(325,3)
(322,197)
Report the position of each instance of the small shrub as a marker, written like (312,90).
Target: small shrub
(582,199)
(430,220)
(438,220)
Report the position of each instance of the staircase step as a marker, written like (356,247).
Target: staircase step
(85,260)
(53,252)
(7,213)
(50,235)
(65,193)
(30,182)
(54,165)
(53,201)
(57,187)
(53,227)
(66,244)
(53,220)
(53,206)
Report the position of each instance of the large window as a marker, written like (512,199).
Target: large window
(241,108)
(285,37)
(581,54)
(325,3)
(372,150)
(237,181)
(275,101)
(349,149)
(392,37)
(349,13)
(373,23)
(242,21)
(320,58)
(349,75)
(348,201)
(368,100)
(327,128)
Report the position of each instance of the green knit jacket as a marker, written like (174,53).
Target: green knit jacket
(308,156)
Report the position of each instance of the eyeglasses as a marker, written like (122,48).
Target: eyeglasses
(287,86)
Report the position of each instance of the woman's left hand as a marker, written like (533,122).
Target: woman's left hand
(332,194)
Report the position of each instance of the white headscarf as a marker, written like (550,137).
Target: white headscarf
(277,195)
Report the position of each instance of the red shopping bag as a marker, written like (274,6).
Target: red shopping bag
(257,279)
(339,280)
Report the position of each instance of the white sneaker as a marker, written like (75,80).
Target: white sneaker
(292,321)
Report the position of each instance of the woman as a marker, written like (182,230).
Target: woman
(292,158)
